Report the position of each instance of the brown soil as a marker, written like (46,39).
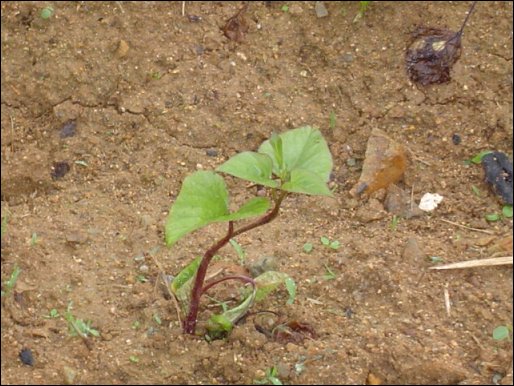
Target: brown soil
(148,109)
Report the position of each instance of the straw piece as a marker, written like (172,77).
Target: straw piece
(477,263)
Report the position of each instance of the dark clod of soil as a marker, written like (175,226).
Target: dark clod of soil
(26,357)
(456,139)
(68,130)
(60,169)
(236,27)
(498,173)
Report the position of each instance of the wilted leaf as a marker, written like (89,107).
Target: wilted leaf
(293,332)
(432,53)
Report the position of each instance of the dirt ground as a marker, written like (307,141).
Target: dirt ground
(153,95)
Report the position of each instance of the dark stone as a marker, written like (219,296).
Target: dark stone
(60,170)
(211,152)
(498,173)
(26,357)
(456,139)
(68,130)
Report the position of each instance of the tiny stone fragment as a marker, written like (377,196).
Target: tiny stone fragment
(68,130)
(60,169)
(321,10)
(26,357)
(123,49)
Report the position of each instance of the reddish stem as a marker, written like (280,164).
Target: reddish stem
(189,325)
(244,279)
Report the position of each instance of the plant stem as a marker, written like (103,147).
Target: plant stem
(196,293)
(189,325)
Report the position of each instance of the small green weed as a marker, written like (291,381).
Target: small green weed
(134,358)
(53,314)
(502,332)
(239,250)
(9,284)
(329,274)
(363,7)
(477,159)
(46,13)
(394,222)
(308,247)
(34,239)
(4,225)
(333,120)
(332,244)
(157,319)
(506,213)
(476,191)
(79,327)
(285,8)
(271,378)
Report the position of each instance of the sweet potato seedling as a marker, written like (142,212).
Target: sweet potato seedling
(296,161)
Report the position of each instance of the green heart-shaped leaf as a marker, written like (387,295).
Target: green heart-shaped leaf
(250,166)
(307,182)
(203,200)
(302,148)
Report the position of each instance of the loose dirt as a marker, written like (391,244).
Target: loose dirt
(156,95)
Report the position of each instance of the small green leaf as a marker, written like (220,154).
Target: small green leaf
(291,289)
(306,182)
(53,314)
(141,278)
(136,325)
(250,166)
(507,211)
(332,120)
(285,8)
(276,144)
(307,247)
(436,259)
(4,225)
(475,190)
(501,333)
(478,158)
(219,324)
(157,319)
(329,275)
(133,359)
(46,13)
(81,163)
(335,244)
(239,250)
(268,282)
(185,275)
(302,148)
(492,217)
(325,240)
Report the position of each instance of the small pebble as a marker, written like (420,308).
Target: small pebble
(60,169)
(456,139)
(68,130)
(211,152)
(321,10)
(26,357)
